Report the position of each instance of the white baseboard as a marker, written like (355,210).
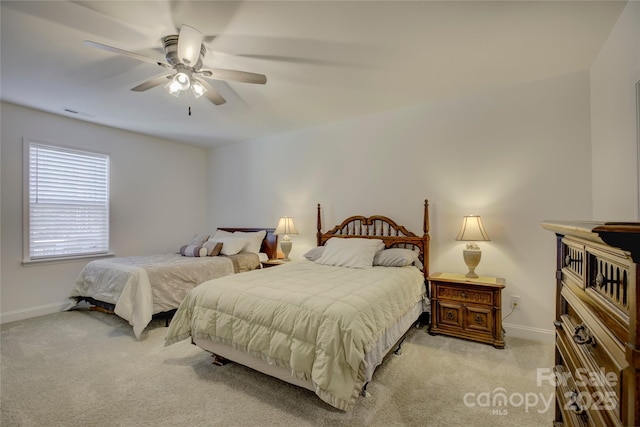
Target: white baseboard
(27,313)
(529,333)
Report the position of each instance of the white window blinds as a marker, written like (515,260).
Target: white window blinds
(68,202)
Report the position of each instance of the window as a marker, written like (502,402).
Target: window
(68,203)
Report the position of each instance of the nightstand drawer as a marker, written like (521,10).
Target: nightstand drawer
(464,294)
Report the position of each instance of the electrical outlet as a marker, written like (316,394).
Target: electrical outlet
(515,301)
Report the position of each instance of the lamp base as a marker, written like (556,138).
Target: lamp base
(285,245)
(472,259)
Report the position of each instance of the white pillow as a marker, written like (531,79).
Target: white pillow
(221,233)
(255,239)
(213,248)
(231,245)
(314,254)
(395,257)
(198,240)
(350,252)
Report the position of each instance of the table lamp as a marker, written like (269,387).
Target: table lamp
(285,228)
(472,231)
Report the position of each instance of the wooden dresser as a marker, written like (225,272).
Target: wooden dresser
(597,323)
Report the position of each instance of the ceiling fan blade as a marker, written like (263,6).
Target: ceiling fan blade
(212,94)
(233,75)
(151,83)
(295,60)
(189,43)
(126,53)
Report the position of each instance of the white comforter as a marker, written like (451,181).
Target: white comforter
(142,286)
(318,321)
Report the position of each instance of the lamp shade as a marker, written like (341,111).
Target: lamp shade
(472,230)
(285,226)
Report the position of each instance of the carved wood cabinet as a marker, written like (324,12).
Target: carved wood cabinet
(597,332)
(467,308)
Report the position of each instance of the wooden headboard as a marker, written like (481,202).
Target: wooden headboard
(269,243)
(381,227)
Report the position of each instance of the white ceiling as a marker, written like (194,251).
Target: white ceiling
(325,61)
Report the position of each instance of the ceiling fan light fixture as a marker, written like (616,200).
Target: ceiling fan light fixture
(173,88)
(198,89)
(181,79)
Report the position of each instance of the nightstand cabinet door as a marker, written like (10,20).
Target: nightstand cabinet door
(450,314)
(479,319)
(467,308)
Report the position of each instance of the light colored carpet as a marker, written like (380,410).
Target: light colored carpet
(84,368)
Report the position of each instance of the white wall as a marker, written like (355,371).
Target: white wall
(158,201)
(614,115)
(515,156)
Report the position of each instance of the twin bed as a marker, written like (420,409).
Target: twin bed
(138,288)
(323,323)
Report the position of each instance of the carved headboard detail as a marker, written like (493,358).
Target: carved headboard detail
(384,228)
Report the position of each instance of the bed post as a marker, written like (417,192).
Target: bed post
(319,232)
(426,239)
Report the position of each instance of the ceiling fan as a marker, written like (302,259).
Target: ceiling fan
(184,53)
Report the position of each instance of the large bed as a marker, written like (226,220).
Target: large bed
(324,322)
(138,288)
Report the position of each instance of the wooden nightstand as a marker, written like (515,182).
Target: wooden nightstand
(467,308)
(272,263)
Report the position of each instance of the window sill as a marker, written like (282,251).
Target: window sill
(43,261)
